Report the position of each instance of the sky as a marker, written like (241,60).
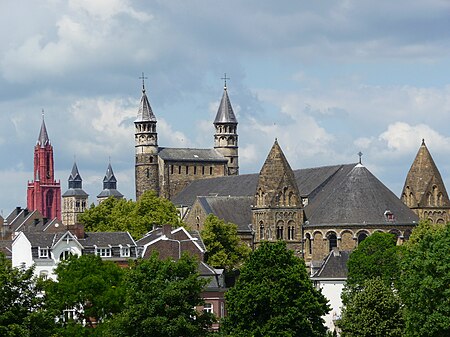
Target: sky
(326,78)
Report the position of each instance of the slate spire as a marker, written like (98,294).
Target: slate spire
(109,186)
(75,180)
(225,112)
(43,135)
(145,112)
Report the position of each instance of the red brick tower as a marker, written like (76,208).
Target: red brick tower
(44,192)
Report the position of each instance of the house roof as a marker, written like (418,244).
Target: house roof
(190,155)
(157,233)
(334,266)
(91,239)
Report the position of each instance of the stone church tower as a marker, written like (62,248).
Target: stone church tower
(75,199)
(226,138)
(44,192)
(109,186)
(277,212)
(424,190)
(146,145)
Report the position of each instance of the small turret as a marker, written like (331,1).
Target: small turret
(109,186)
(75,199)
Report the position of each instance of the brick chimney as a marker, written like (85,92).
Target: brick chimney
(167,230)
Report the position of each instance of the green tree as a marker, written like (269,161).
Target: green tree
(89,286)
(22,310)
(274,297)
(126,215)
(160,300)
(376,256)
(223,246)
(374,310)
(424,285)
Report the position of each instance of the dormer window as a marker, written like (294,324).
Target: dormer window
(103,252)
(43,253)
(389,216)
(125,252)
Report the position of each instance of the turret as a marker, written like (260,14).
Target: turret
(146,145)
(75,199)
(109,186)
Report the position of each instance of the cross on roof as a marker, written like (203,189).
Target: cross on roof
(143,78)
(225,78)
(360,155)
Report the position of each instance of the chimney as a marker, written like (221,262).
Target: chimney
(36,222)
(77,230)
(167,230)
(18,209)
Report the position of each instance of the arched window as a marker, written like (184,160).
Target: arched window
(332,241)
(291,233)
(65,255)
(280,229)
(269,234)
(361,237)
(261,230)
(308,246)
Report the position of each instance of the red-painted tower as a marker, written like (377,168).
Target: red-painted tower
(44,192)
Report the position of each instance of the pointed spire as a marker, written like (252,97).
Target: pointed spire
(109,185)
(43,135)
(75,180)
(225,112)
(145,112)
(109,176)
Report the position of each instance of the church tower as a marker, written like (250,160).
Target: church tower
(75,199)
(226,138)
(109,186)
(146,145)
(424,190)
(44,192)
(277,212)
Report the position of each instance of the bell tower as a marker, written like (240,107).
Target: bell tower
(44,192)
(146,145)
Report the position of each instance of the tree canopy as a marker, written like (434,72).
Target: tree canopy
(22,311)
(223,246)
(376,256)
(424,285)
(373,310)
(274,297)
(160,299)
(88,286)
(137,217)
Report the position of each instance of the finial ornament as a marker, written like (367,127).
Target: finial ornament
(143,78)
(42,113)
(360,155)
(225,78)
(423,141)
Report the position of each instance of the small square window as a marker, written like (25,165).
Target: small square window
(208,307)
(43,253)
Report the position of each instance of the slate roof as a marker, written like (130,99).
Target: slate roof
(334,266)
(145,112)
(236,210)
(225,112)
(101,239)
(43,135)
(309,181)
(106,193)
(214,276)
(190,155)
(73,192)
(356,197)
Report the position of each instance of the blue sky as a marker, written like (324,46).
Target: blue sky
(328,79)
